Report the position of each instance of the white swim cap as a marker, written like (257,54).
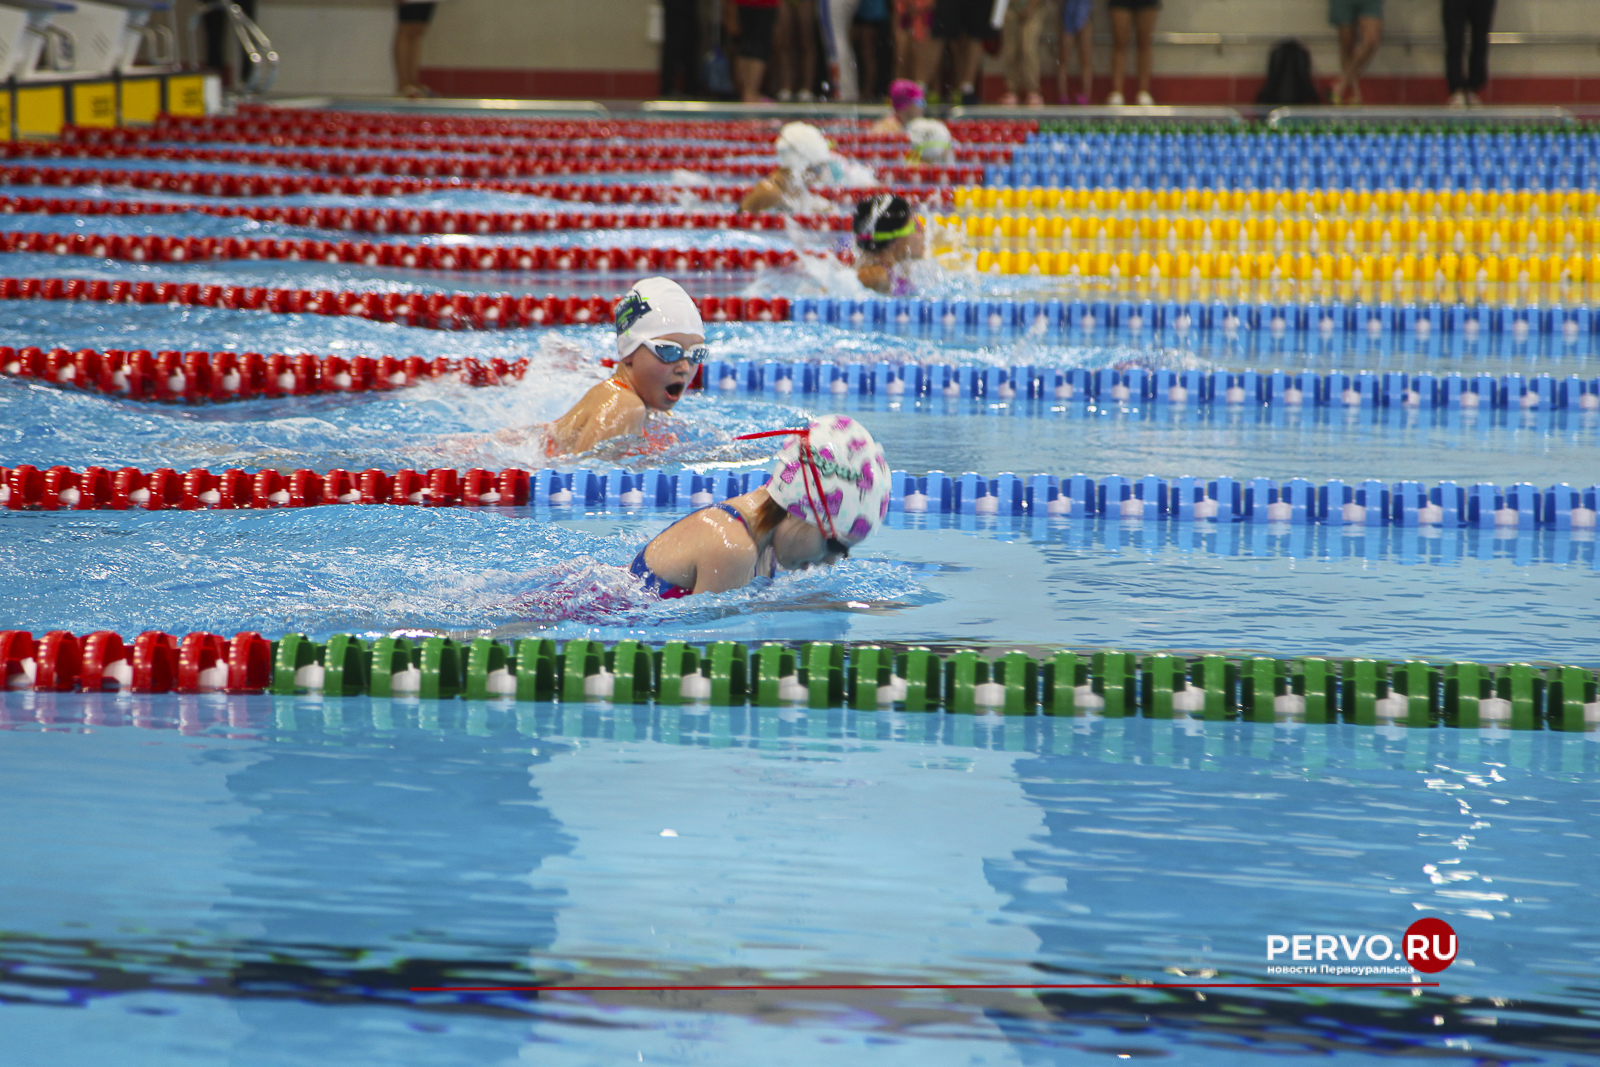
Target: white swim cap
(655,307)
(834,476)
(930,140)
(801,146)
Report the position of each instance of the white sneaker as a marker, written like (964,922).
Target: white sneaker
(1457,99)
(1144,99)
(805,96)
(785,96)
(1473,101)
(1115,100)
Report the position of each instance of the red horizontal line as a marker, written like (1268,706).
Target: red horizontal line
(930,985)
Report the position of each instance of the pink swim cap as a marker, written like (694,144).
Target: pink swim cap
(904,93)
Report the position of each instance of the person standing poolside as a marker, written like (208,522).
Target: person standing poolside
(1466,37)
(1360,26)
(916,52)
(804,156)
(795,34)
(907,100)
(660,342)
(1019,52)
(753,21)
(888,237)
(829,491)
(965,25)
(1076,33)
(1136,19)
(413,26)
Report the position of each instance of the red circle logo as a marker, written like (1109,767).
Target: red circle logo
(1430,945)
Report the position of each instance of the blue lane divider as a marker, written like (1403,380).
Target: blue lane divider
(1140,385)
(1560,159)
(1297,501)
(1144,318)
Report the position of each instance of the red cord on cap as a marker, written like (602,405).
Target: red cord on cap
(809,472)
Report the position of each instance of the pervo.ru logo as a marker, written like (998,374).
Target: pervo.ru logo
(1428,945)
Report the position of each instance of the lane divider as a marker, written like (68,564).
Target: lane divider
(820,675)
(1257,501)
(265,124)
(660,160)
(157,249)
(212,377)
(208,183)
(1154,386)
(1141,320)
(437,311)
(414,221)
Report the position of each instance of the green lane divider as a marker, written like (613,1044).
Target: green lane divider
(1107,683)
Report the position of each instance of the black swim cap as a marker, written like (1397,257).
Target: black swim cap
(882,219)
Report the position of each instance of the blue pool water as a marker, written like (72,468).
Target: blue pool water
(318,859)
(265,881)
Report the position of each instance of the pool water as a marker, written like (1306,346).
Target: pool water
(318,859)
(265,881)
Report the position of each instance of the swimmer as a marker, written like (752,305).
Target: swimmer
(907,99)
(888,237)
(930,142)
(829,490)
(804,156)
(660,342)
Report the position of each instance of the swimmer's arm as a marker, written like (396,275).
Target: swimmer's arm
(763,197)
(589,422)
(612,422)
(725,567)
(874,276)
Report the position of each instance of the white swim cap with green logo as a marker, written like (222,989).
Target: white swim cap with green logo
(802,146)
(652,309)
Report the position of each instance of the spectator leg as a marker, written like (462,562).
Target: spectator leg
(1368,32)
(1121,30)
(680,47)
(783,50)
(805,31)
(408,55)
(1455,32)
(1482,16)
(1146,26)
(969,53)
(837,18)
(1011,49)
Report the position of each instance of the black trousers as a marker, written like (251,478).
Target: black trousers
(680,47)
(1467,22)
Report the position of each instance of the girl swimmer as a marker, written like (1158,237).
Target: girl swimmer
(888,237)
(660,342)
(829,490)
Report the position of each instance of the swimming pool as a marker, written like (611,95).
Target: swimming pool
(281,879)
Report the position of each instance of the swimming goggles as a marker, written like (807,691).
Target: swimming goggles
(672,352)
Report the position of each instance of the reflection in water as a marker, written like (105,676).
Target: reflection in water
(387,845)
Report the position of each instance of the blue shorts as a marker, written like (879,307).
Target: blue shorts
(1074,15)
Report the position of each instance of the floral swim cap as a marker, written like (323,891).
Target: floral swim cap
(834,476)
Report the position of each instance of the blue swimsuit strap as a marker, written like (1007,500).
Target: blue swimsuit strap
(653,582)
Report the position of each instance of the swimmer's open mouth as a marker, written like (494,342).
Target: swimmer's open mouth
(675,390)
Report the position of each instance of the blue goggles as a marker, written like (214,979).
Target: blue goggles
(671,352)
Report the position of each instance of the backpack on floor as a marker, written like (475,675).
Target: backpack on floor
(1289,76)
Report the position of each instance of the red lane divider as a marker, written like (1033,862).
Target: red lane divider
(265,124)
(246,185)
(426,166)
(59,488)
(613,150)
(153,662)
(437,311)
(413,221)
(211,377)
(156,249)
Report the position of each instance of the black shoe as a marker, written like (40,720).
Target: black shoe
(969,99)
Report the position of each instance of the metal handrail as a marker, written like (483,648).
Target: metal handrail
(1217,40)
(161,45)
(1473,116)
(1095,113)
(256,44)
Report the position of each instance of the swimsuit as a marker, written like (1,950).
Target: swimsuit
(653,582)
